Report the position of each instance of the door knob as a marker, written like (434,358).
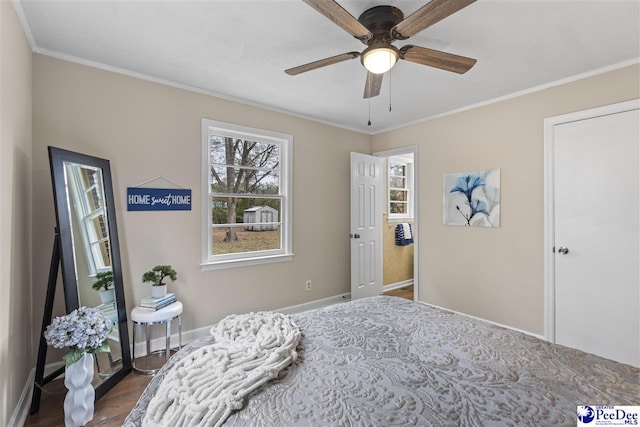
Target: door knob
(354,236)
(563,250)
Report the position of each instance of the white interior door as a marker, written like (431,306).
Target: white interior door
(366,228)
(597,232)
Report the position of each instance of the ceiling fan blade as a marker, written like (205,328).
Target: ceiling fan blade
(341,18)
(322,63)
(437,58)
(426,16)
(372,85)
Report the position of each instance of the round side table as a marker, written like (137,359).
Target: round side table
(146,318)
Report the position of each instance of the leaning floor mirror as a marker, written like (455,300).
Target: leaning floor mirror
(89,253)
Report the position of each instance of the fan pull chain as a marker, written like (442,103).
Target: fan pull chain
(369,122)
(389,90)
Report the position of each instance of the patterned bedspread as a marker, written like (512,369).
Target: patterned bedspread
(386,361)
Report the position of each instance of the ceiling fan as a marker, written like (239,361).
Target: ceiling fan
(378,28)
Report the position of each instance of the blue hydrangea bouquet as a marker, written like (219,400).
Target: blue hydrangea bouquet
(84,330)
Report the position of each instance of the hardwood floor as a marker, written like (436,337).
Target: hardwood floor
(406,292)
(109,411)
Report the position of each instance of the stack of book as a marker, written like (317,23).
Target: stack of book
(153,304)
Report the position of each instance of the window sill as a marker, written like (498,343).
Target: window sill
(245,262)
(396,219)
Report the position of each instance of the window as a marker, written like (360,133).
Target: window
(85,187)
(400,184)
(246,196)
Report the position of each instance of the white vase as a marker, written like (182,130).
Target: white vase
(158,291)
(78,403)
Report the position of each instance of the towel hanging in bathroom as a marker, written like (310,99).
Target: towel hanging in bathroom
(403,234)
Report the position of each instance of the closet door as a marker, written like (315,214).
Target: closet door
(597,228)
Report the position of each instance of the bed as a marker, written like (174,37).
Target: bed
(387,361)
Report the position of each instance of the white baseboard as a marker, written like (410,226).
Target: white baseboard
(299,308)
(159,342)
(397,285)
(488,321)
(21,411)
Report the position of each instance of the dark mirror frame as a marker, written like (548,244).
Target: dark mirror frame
(57,158)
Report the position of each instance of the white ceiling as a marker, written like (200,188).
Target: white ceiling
(239,49)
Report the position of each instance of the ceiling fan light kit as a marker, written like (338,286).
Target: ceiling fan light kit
(378,27)
(380,58)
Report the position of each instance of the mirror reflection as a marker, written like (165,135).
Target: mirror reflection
(92,255)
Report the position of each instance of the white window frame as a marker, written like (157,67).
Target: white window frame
(85,215)
(285,253)
(409,187)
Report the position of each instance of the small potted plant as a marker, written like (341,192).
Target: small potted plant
(104,284)
(156,276)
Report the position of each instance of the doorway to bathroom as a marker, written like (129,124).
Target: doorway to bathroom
(399,222)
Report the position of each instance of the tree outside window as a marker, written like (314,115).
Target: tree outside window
(248,209)
(400,184)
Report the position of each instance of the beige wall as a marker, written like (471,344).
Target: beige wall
(496,274)
(146,130)
(16,353)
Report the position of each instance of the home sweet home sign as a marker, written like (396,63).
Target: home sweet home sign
(158,199)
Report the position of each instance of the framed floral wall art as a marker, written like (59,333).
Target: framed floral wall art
(472,199)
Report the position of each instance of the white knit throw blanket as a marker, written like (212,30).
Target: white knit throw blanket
(204,387)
